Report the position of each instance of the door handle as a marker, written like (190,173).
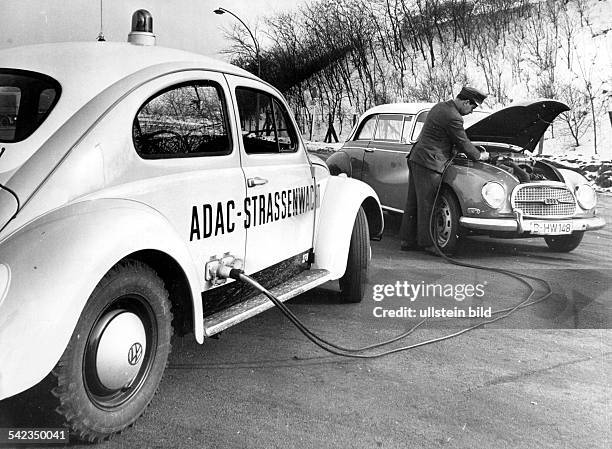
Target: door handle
(369,150)
(252,182)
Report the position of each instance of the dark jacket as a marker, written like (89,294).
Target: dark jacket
(443,129)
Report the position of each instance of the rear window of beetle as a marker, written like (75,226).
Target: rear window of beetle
(26,99)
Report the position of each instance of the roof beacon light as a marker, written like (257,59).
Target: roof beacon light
(142,28)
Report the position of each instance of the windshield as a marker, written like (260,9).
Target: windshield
(26,98)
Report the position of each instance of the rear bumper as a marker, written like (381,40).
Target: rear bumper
(520,224)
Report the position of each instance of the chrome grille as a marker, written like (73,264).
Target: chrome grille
(544,201)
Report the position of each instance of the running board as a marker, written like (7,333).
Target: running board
(297,285)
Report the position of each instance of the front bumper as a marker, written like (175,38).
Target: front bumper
(521,225)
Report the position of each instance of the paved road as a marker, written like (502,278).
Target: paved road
(540,378)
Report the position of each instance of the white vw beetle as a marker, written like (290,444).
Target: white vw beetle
(129,174)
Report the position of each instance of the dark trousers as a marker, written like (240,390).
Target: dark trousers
(422,186)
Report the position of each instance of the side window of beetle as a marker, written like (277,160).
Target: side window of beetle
(265,123)
(183,121)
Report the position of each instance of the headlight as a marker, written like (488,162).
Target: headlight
(586,196)
(494,194)
(5,280)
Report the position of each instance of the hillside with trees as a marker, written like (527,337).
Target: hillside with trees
(335,59)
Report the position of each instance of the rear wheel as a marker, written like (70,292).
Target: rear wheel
(564,243)
(116,357)
(353,283)
(446,222)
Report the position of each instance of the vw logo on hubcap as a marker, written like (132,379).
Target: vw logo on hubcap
(134,353)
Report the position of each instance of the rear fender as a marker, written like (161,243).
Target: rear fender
(342,199)
(55,263)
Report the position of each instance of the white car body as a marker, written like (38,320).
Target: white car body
(87,200)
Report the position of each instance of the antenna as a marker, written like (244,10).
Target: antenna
(101,37)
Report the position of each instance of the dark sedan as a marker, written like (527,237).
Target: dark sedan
(512,195)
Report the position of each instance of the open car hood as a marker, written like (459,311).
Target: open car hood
(521,124)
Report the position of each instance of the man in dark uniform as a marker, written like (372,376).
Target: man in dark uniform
(442,134)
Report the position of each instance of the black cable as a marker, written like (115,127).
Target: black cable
(296,321)
(347,352)
(513,274)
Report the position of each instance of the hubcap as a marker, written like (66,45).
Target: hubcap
(444,224)
(120,350)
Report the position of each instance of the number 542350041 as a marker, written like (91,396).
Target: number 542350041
(33,436)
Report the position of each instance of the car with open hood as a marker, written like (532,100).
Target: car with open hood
(514,194)
(133,179)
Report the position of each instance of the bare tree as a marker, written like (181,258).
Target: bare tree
(582,65)
(392,39)
(242,47)
(539,39)
(358,53)
(592,94)
(489,57)
(577,118)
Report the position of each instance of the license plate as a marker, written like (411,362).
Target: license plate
(551,227)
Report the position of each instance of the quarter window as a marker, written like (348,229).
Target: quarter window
(406,129)
(418,126)
(265,123)
(186,120)
(284,130)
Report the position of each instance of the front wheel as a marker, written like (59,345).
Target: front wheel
(445,225)
(116,357)
(353,283)
(564,243)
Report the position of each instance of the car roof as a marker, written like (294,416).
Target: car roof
(85,70)
(96,65)
(72,59)
(398,108)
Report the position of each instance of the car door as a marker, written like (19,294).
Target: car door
(385,166)
(183,161)
(357,146)
(280,202)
